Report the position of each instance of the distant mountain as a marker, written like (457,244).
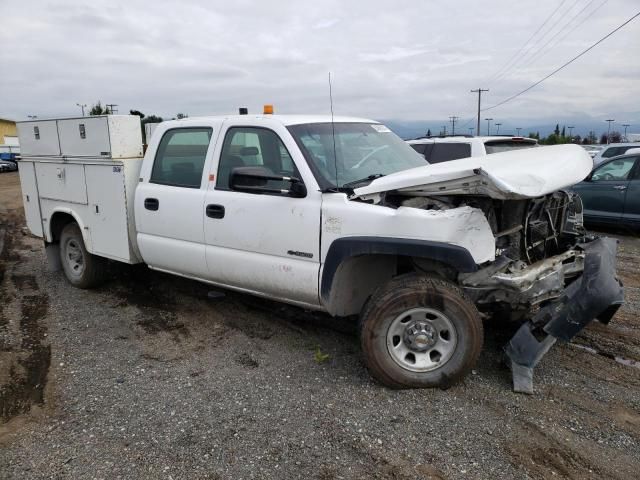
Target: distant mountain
(582,127)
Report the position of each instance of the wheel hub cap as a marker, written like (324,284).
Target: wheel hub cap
(420,336)
(421,339)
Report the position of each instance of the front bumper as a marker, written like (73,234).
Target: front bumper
(596,294)
(593,292)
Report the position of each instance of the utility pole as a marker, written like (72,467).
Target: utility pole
(488,125)
(479,90)
(444,130)
(453,119)
(82,105)
(498,128)
(625,125)
(111,108)
(518,130)
(471,131)
(571,130)
(609,130)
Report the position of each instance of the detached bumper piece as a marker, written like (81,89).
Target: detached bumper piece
(597,294)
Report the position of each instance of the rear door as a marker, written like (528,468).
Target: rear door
(169,204)
(631,213)
(603,195)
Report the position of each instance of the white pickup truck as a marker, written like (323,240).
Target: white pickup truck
(332,214)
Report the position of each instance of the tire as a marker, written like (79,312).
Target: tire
(82,269)
(425,320)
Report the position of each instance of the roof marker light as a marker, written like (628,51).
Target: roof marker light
(268,110)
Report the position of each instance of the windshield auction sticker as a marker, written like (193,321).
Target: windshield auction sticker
(380,128)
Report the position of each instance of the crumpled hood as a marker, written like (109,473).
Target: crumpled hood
(526,173)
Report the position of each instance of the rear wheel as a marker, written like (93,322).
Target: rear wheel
(419,332)
(82,269)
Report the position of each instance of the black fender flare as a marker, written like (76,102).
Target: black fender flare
(343,248)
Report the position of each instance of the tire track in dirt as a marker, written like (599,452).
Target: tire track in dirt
(25,355)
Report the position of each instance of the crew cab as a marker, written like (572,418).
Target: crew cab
(447,148)
(331,214)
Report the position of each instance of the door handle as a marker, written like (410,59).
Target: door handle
(215,211)
(151,204)
(620,187)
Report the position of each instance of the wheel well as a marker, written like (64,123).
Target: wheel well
(357,277)
(58,221)
(355,266)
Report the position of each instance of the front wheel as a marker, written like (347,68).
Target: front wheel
(82,269)
(418,332)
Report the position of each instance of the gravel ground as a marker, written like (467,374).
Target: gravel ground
(147,377)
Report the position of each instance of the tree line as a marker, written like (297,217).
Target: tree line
(559,136)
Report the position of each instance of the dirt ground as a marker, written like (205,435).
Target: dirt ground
(149,377)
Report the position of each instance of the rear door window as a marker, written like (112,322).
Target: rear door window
(180,157)
(444,152)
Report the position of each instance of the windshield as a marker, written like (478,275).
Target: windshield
(362,150)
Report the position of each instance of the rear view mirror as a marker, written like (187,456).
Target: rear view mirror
(257,180)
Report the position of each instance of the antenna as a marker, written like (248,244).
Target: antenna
(333,133)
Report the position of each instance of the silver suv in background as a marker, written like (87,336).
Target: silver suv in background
(613,150)
(444,149)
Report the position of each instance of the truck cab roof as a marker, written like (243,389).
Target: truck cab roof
(285,120)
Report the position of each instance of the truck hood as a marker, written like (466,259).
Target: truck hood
(517,174)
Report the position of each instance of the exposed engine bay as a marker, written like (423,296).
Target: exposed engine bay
(525,230)
(537,245)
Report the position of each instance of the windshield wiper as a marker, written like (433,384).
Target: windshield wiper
(370,178)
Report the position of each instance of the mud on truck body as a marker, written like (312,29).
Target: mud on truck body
(337,215)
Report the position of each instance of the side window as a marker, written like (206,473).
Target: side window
(615,170)
(444,152)
(254,147)
(419,147)
(614,151)
(180,157)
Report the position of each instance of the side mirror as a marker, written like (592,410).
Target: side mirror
(256,180)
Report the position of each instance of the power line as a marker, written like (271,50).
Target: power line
(541,39)
(525,43)
(564,65)
(541,52)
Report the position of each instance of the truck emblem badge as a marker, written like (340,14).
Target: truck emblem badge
(300,254)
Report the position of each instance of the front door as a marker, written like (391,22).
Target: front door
(603,194)
(263,243)
(169,203)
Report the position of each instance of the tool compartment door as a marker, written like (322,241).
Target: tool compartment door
(84,137)
(30,200)
(61,181)
(107,215)
(38,138)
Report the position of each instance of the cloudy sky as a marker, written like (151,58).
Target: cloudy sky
(402,60)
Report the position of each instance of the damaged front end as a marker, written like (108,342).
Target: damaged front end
(552,270)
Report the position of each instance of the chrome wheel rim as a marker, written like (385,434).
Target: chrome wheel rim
(421,339)
(74,257)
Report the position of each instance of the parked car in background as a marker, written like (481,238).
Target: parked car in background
(611,193)
(8,166)
(613,150)
(592,150)
(444,149)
